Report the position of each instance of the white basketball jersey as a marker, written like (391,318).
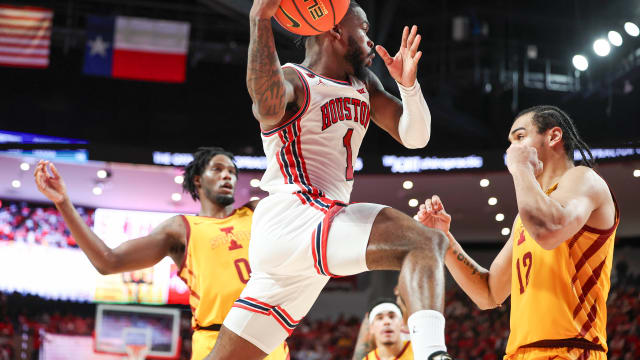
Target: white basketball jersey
(313,153)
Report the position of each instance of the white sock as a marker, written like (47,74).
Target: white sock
(426,329)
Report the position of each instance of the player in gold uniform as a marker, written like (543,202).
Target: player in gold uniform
(380,336)
(556,264)
(211,248)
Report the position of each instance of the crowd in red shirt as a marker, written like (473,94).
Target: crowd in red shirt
(34,224)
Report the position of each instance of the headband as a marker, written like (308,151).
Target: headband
(384,308)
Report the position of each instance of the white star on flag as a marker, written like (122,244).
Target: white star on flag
(98,46)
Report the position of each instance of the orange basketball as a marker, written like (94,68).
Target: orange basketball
(310,17)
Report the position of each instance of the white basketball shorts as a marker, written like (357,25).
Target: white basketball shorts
(295,248)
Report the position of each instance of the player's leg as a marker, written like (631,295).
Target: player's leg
(398,242)
(231,346)
(283,284)
(362,237)
(267,312)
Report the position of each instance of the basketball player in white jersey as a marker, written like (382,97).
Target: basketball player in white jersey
(313,117)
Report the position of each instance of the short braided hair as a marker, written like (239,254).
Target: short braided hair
(196,167)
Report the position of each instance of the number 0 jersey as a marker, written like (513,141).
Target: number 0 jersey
(215,267)
(313,153)
(560,295)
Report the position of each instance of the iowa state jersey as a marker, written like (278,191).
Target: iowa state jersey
(216,266)
(405,354)
(313,153)
(562,293)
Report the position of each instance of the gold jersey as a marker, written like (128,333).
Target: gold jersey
(559,296)
(216,270)
(405,354)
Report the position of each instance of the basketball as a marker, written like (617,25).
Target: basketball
(310,17)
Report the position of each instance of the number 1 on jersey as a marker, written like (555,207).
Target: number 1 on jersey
(346,141)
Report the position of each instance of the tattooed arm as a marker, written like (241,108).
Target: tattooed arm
(487,288)
(269,87)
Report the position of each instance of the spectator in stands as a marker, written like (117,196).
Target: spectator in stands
(37,224)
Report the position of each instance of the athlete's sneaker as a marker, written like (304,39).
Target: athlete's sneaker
(440,355)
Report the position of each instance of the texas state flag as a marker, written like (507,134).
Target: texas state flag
(136,48)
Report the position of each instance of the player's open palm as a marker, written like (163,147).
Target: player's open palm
(403,67)
(50,184)
(433,215)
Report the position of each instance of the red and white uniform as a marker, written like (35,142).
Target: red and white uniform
(303,232)
(313,153)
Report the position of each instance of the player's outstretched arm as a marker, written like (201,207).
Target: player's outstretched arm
(409,120)
(487,288)
(134,254)
(269,89)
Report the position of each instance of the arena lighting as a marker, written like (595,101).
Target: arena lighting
(405,164)
(580,62)
(614,38)
(97,190)
(505,231)
(608,153)
(636,173)
(16,184)
(243,162)
(631,29)
(413,202)
(499,216)
(176,197)
(484,182)
(102,174)
(601,47)
(24,166)
(407,185)
(179,179)
(492,201)
(254,183)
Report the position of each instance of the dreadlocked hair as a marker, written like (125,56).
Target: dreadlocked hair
(196,167)
(300,41)
(547,116)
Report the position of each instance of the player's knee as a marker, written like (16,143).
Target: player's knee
(396,235)
(434,242)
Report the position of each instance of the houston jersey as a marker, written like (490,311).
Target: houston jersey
(405,354)
(312,154)
(216,268)
(560,294)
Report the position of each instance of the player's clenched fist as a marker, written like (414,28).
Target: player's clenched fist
(519,155)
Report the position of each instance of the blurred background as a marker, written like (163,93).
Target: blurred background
(120,134)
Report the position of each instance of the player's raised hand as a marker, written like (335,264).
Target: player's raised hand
(403,67)
(433,215)
(264,9)
(50,184)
